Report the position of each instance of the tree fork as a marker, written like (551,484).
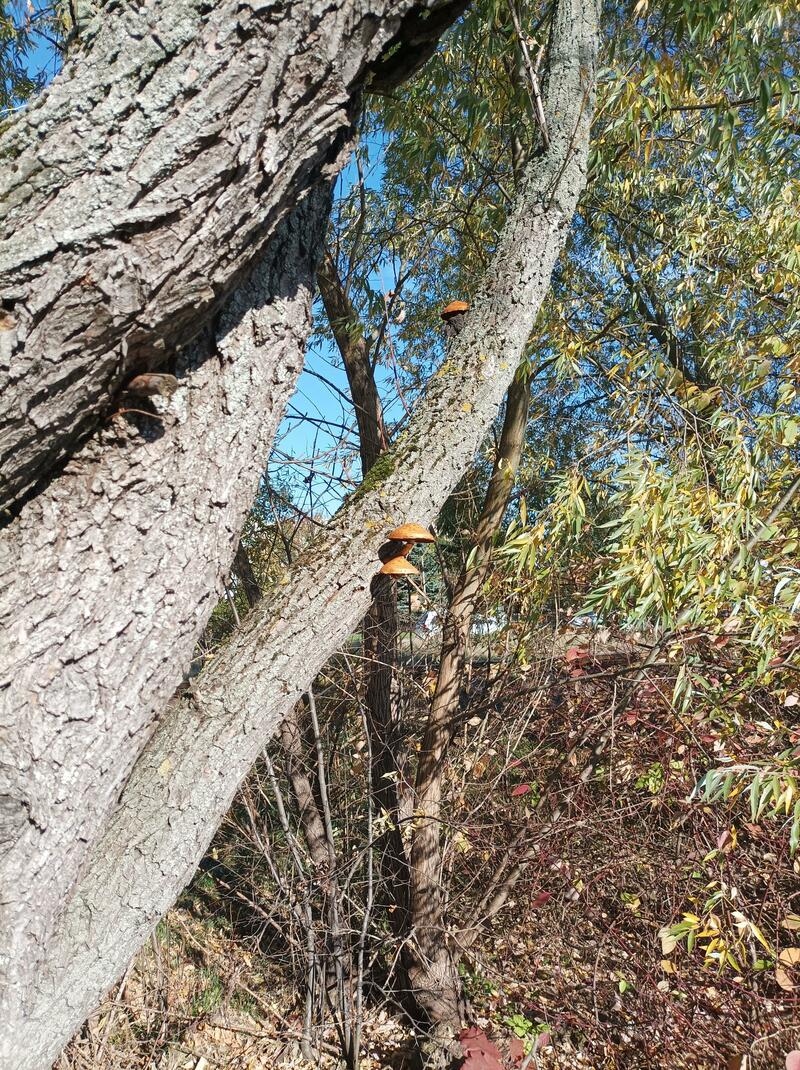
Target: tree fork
(203,746)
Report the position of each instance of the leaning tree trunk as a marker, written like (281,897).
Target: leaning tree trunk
(140,193)
(111,573)
(431,953)
(203,746)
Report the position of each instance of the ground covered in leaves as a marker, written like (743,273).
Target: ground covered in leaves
(654,926)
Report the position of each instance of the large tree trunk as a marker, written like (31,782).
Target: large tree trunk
(202,747)
(109,576)
(140,193)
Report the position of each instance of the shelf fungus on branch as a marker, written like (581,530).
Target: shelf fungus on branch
(401,542)
(146,387)
(399,566)
(410,533)
(151,385)
(454,316)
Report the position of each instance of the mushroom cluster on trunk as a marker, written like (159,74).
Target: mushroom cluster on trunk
(395,551)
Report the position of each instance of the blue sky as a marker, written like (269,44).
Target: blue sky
(302,436)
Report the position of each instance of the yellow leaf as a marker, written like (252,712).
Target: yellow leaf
(757,933)
(461,843)
(667,966)
(466,407)
(668,941)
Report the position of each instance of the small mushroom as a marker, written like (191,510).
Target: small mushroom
(410,533)
(401,542)
(398,566)
(454,315)
(152,384)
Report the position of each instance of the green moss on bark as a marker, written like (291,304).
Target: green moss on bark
(380,471)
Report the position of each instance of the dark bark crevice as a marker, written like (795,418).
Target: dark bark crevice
(414,47)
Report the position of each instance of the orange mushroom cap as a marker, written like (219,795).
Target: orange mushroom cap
(410,533)
(453,308)
(399,566)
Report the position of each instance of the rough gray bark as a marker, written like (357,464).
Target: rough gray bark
(142,185)
(202,747)
(110,574)
(138,194)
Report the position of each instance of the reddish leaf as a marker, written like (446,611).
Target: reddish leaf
(541,899)
(514,763)
(516,1049)
(725,839)
(576,653)
(520,789)
(543,1041)
(480,1052)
